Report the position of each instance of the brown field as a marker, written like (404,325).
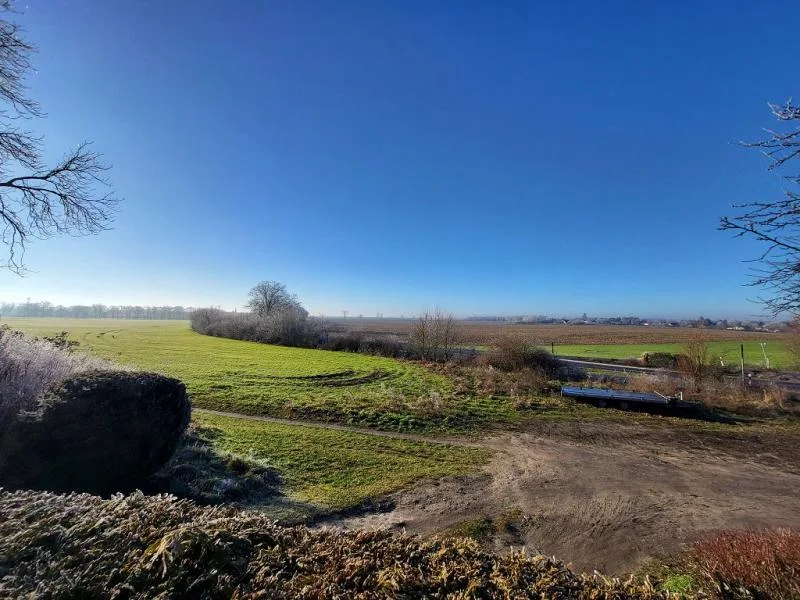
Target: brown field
(483,332)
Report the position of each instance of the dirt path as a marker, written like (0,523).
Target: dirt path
(602,496)
(611,498)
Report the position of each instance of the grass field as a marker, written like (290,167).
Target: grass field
(336,469)
(259,379)
(779,355)
(321,468)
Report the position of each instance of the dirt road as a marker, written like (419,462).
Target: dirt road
(609,497)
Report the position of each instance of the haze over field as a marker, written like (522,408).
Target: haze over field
(386,158)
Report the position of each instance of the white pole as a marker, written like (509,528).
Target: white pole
(764,352)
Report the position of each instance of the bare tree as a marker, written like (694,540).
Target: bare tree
(39,201)
(269,297)
(693,361)
(434,335)
(776,223)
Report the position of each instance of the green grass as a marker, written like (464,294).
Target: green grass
(678,584)
(779,355)
(296,383)
(336,469)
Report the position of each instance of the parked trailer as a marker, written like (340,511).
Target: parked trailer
(621,398)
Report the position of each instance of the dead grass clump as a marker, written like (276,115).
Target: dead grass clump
(751,564)
(81,546)
(756,401)
(660,384)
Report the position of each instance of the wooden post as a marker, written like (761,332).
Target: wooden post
(742,348)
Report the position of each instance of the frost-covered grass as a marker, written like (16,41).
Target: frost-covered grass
(28,366)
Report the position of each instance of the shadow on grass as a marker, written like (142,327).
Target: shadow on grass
(199,472)
(683,410)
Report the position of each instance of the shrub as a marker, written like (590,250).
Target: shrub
(513,353)
(378,345)
(344,342)
(99,432)
(81,546)
(287,327)
(660,360)
(388,346)
(751,564)
(696,364)
(434,336)
(28,367)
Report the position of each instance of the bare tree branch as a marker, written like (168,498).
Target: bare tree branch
(37,201)
(776,223)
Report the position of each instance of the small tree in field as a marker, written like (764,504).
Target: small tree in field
(434,335)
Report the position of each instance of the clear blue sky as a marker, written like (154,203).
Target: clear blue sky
(489,158)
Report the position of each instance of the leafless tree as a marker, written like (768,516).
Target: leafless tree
(269,297)
(776,223)
(695,362)
(38,201)
(434,335)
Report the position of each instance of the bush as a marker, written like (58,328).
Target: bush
(388,346)
(513,353)
(81,546)
(354,341)
(660,360)
(98,432)
(288,327)
(29,366)
(434,336)
(751,564)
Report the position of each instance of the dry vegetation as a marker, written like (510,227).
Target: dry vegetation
(749,564)
(81,546)
(28,366)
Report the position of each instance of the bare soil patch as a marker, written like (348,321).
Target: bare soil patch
(608,497)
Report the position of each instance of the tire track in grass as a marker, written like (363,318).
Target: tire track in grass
(411,437)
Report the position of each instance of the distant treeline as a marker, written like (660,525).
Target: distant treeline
(94,311)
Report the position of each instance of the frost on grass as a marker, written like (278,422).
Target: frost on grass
(80,546)
(29,366)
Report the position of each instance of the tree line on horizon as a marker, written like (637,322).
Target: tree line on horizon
(94,311)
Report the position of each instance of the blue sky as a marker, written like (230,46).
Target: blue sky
(489,158)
